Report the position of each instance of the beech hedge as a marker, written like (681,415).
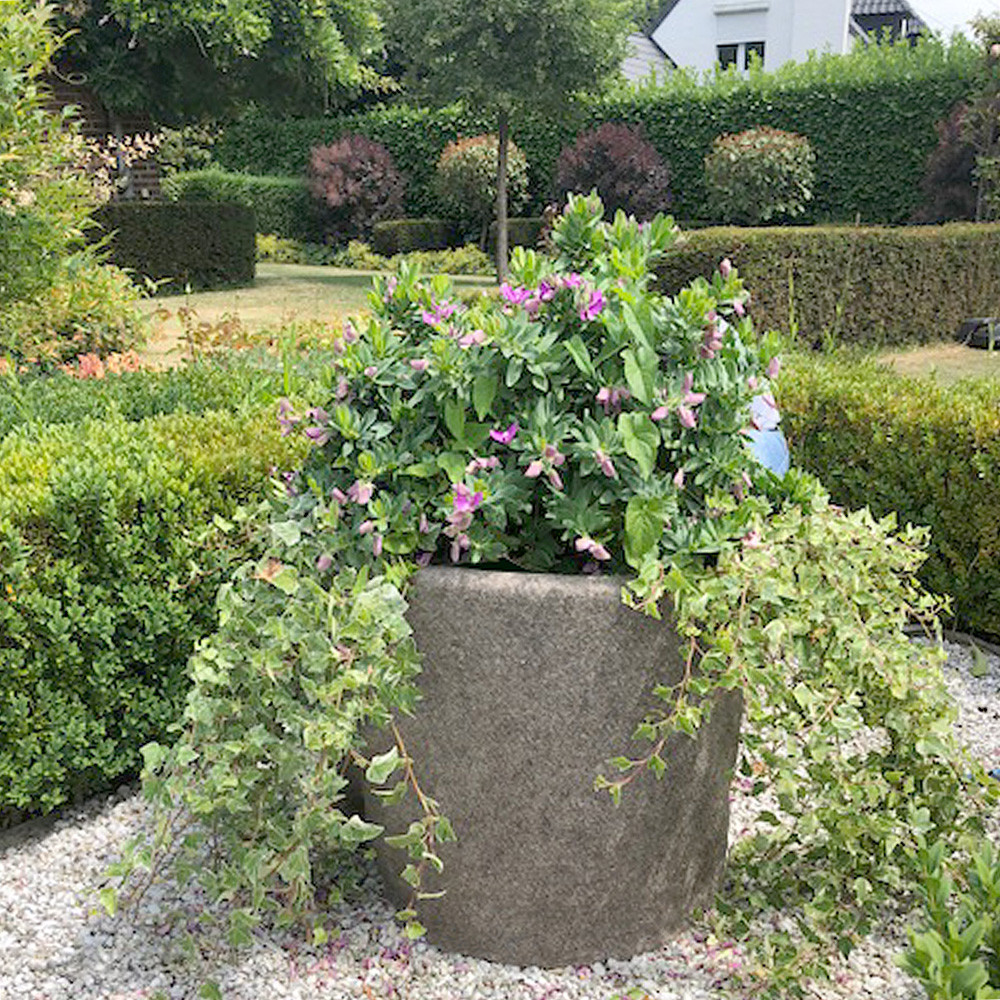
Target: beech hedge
(198,244)
(114,539)
(853,285)
(927,452)
(870,117)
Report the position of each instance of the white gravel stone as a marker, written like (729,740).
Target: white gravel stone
(55,944)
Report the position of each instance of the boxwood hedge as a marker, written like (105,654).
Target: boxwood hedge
(911,446)
(113,543)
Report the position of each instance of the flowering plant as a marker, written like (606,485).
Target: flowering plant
(576,421)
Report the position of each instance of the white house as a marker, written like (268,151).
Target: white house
(706,33)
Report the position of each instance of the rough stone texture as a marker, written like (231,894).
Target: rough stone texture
(531,683)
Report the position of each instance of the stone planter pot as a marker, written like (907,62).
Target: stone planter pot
(531,682)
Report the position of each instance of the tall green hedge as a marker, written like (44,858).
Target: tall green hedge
(113,543)
(198,244)
(282,205)
(929,453)
(869,115)
(853,285)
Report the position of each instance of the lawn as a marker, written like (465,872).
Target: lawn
(281,293)
(947,362)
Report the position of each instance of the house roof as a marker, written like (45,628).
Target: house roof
(657,12)
(644,57)
(869,7)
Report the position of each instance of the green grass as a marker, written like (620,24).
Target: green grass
(281,294)
(947,362)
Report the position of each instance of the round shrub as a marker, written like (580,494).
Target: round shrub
(759,175)
(624,168)
(465,181)
(356,184)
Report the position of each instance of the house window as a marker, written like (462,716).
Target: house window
(753,48)
(728,55)
(738,53)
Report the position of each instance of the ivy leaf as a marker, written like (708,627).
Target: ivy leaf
(357,831)
(641,439)
(382,765)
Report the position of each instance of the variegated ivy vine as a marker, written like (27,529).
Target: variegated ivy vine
(579,421)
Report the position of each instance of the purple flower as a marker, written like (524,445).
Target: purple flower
(420,364)
(424,559)
(686,417)
(611,399)
(774,366)
(343,390)
(350,334)
(464,499)
(534,469)
(318,435)
(324,562)
(593,307)
(660,413)
(371,371)
(460,543)
(377,546)
(366,527)
(505,437)
(318,414)
(555,479)
(572,280)
(515,296)
(554,455)
(360,492)
(482,465)
(545,291)
(286,418)
(424,525)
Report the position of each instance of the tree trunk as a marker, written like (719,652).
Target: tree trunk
(503,129)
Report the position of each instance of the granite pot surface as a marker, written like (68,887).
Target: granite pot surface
(531,682)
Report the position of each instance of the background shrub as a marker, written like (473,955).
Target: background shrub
(403,235)
(282,205)
(870,116)
(186,149)
(113,544)
(853,285)
(759,175)
(182,244)
(914,448)
(356,184)
(465,182)
(626,170)
(521,232)
(948,184)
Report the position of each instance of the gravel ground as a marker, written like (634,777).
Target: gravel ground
(54,945)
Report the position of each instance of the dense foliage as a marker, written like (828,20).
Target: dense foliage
(180,60)
(853,285)
(403,235)
(112,549)
(580,420)
(281,205)
(465,182)
(355,184)
(869,115)
(181,244)
(619,164)
(916,448)
(948,184)
(956,955)
(760,175)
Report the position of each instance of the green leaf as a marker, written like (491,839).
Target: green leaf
(641,439)
(210,991)
(639,380)
(287,532)
(980,665)
(577,350)
(287,580)
(484,391)
(454,464)
(514,368)
(643,527)
(357,831)
(454,418)
(109,900)
(382,766)
(414,929)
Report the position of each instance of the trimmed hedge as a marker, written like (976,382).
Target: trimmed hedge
(182,244)
(113,545)
(521,232)
(870,116)
(849,285)
(929,453)
(282,205)
(405,235)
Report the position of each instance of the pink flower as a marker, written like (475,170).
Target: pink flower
(738,307)
(424,525)
(371,371)
(515,296)
(505,437)
(366,527)
(555,479)
(318,435)
(534,469)
(420,364)
(605,464)
(679,478)
(377,546)
(726,268)
(686,417)
(464,499)
(660,413)
(360,492)
(343,390)
(350,334)
(572,280)
(593,307)
(774,366)
(587,544)
(324,562)
(752,383)
(554,455)
(475,337)
(339,495)
(752,540)
(460,543)
(691,398)
(545,291)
